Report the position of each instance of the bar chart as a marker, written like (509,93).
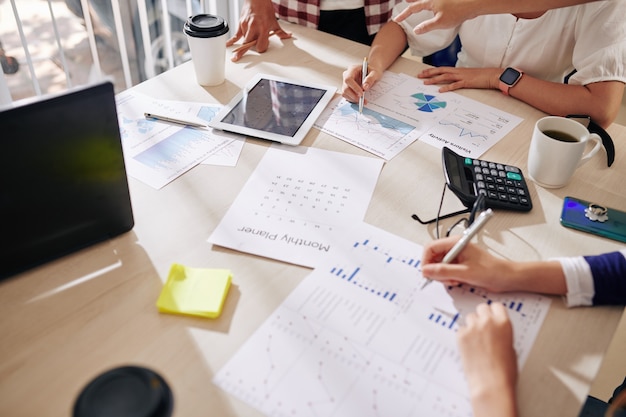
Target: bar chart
(360,337)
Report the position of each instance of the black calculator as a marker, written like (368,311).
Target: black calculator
(503,186)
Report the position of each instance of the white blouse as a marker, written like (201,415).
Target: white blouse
(590,38)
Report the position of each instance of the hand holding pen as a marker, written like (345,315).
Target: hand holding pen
(358,79)
(432,259)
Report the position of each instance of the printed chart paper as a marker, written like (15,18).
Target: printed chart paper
(295,201)
(359,338)
(398,102)
(372,131)
(158,152)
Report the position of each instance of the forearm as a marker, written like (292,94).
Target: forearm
(601,101)
(387,46)
(544,277)
(498,400)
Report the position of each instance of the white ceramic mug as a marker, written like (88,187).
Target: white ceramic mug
(553,157)
(206,35)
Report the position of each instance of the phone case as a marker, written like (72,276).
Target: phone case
(576,215)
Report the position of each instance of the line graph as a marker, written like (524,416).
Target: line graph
(375,132)
(463,130)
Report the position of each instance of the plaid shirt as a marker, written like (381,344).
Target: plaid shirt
(307,13)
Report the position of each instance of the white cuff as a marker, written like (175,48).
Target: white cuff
(579,281)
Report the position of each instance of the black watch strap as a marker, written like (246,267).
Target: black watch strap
(593,127)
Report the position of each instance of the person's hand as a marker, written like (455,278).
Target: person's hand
(456,78)
(473,266)
(256,24)
(351,88)
(447,13)
(489,360)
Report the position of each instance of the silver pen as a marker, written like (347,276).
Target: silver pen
(468,234)
(363,76)
(174,120)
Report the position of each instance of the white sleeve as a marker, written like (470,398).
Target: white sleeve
(579,281)
(427,43)
(600,50)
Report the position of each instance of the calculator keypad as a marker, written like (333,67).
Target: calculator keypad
(502,184)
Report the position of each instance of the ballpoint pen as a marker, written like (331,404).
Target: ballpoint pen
(363,76)
(468,234)
(174,120)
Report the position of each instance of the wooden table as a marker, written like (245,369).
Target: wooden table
(66,322)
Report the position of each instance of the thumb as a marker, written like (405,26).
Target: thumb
(370,80)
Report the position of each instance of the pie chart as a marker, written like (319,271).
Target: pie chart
(427,102)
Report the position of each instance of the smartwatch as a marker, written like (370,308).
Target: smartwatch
(509,78)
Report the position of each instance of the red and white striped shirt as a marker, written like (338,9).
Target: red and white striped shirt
(307,13)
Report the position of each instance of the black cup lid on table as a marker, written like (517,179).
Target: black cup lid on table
(128,391)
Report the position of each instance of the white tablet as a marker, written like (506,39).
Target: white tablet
(275,109)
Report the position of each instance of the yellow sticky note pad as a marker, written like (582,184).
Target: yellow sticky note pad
(194,291)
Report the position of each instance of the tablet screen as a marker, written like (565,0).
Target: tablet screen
(275,106)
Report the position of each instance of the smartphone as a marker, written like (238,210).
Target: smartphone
(573,216)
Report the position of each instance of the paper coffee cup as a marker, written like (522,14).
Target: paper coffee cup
(206,35)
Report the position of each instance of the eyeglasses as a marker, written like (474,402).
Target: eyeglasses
(480,205)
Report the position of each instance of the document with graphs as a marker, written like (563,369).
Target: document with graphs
(359,337)
(157,152)
(401,109)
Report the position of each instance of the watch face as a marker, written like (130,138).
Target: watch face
(509,76)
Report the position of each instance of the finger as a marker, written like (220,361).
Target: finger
(369,81)
(416,7)
(350,95)
(282,34)
(483,309)
(402,15)
(262,43)
(499,311)
(446,272)
(458,85)
(244,47)
(428,25)
(436,250)
(231,41)
(470,321)
(353,91)
(436,71)
(241,50)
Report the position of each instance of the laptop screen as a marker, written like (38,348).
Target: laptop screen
(63,183)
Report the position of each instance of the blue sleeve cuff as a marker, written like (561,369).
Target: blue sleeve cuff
(609,277)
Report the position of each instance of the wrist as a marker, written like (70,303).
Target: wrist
(495,400)
(508,79)
(544,277)
(506,275)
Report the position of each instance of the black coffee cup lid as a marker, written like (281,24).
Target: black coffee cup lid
(125,392)
(205,26)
